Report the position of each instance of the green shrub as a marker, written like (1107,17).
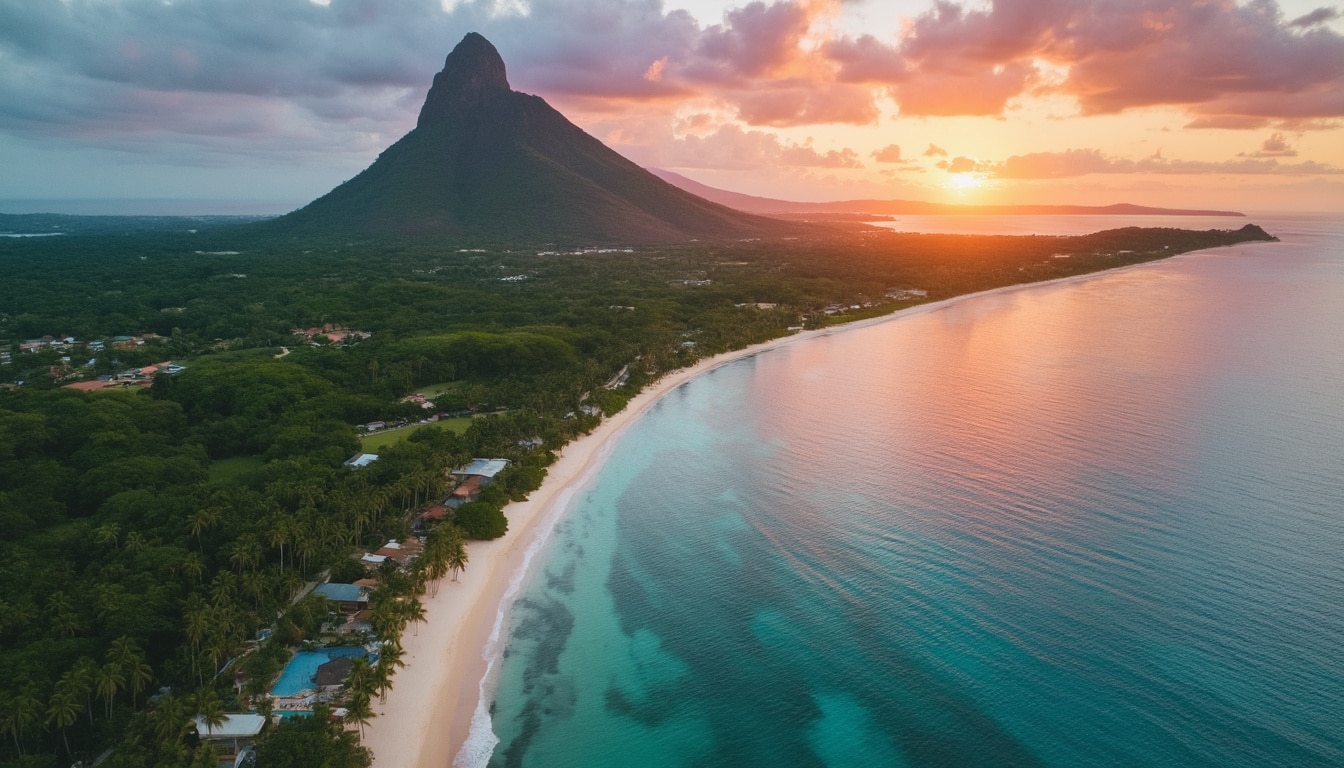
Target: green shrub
(479,520)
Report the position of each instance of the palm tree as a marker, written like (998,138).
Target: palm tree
(20,713)
(292,582)
(193,565)
(217,649)
(246,553)
(308,494)
(80,681)
(198,626)
(359,710)
(414,611)
(110,680)
(457,555)
(205,757)
(123,651)
(279,534)
(387,620)
(389,655)
(169,720)
(223,589)
(255,584)
(139,674)
(360,679)
(203,520)
(109,534)
(62,711)
(305,546)
(382,679)
(62,614)
(209,708)
(135,542)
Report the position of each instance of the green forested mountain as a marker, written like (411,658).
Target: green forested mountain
(486,163)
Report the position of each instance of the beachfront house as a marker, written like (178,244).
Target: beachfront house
(464,492)
(431,517)
(472,478)
(231,738)
(347,597)
(400,552)
(485,469)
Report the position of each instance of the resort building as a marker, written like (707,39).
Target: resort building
(485,469)
(472,478)
(334,672)
(348,597)
(231,738)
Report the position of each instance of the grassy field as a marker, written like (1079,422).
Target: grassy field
(234,355)
(434,389)
(375,443)
(236,469)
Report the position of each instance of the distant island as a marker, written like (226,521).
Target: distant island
(766,206)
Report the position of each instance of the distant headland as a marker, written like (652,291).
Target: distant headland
(848,209)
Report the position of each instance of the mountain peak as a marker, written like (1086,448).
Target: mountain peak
(487,164)
(471,73)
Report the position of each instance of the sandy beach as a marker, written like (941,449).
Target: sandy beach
(427,717)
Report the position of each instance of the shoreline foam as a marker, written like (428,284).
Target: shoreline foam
(437,712)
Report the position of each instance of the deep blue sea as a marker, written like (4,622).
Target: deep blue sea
(1098,523)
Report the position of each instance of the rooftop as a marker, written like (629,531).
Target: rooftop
(361,460)
(342,593)
(484,467)
(333,672)
(235,726)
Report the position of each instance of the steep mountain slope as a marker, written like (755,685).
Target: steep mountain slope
(487,163)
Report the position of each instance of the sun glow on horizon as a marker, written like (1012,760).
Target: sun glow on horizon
(966,182)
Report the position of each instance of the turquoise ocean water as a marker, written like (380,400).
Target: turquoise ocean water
(1089,524)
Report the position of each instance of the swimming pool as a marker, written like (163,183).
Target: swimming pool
(299,672)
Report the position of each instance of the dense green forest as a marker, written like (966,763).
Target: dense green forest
(137,571)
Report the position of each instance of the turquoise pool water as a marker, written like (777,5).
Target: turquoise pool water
(298,674)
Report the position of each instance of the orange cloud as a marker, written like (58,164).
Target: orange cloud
(1082,162)
(1275,146)
(889,154)
(1220,60)
(731,148)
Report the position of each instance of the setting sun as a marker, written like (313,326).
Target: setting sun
(964,182)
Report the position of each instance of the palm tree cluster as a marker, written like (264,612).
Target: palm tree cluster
(445,552)
(154,554)
(78,693)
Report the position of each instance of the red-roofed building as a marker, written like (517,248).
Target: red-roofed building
(435,515)
(400,552)
(468,489)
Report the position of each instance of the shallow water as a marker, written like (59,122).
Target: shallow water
(1096,523)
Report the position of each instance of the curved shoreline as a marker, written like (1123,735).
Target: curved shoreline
(427,717)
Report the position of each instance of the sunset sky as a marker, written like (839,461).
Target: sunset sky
(273,102)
